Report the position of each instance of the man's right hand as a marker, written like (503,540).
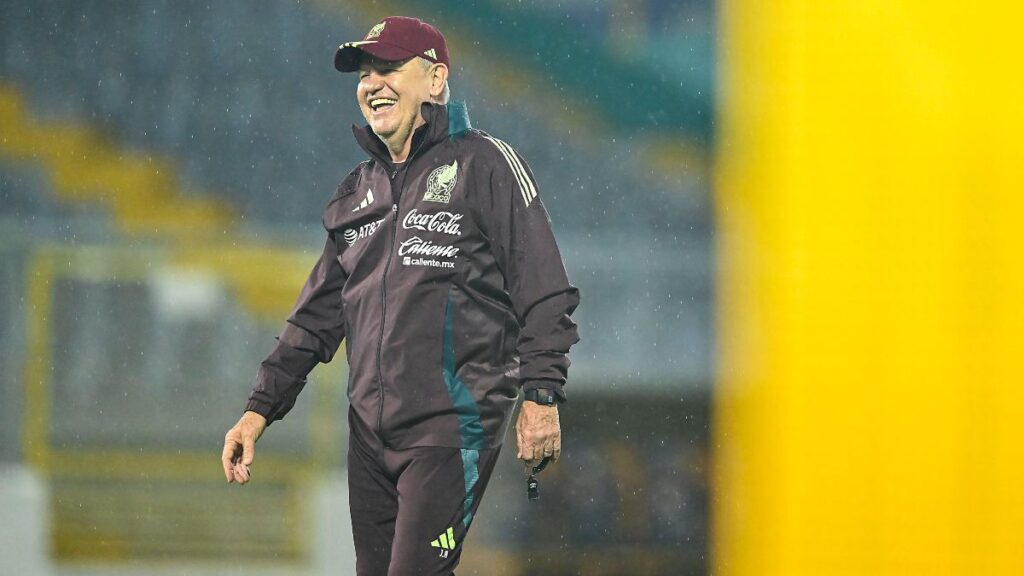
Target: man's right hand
(240,446)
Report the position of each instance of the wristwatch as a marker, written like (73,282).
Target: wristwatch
(541,396)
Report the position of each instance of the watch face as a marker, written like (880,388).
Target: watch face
(541,396)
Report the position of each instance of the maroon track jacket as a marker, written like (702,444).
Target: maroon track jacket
(443,275)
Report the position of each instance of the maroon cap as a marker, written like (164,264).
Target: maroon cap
(394,38)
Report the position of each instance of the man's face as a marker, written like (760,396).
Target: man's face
(390,95)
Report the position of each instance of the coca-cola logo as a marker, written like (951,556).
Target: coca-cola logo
(444,222)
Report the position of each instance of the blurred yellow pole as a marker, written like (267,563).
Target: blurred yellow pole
(870,407)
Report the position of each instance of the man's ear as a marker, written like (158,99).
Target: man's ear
(438,77)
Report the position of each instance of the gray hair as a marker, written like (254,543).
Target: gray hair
(446,92)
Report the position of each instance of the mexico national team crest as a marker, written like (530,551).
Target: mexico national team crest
(375,31)
(440,183)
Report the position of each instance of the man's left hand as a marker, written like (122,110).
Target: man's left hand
(538,434)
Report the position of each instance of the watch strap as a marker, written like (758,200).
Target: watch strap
(541,396)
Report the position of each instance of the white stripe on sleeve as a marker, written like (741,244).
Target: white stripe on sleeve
(526,187)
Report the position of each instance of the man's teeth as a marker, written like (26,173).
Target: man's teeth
(377,102)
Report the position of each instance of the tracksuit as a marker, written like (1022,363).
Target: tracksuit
(443,276)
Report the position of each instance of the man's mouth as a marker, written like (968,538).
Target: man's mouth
(381,104)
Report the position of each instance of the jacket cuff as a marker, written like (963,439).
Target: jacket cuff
(554,385)
(260,407)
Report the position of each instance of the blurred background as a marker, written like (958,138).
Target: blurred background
(794,226)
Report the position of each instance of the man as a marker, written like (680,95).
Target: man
(441,272)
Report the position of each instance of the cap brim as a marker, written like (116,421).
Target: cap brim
(346,59)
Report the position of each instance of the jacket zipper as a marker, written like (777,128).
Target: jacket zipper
(384,286)
(384,311)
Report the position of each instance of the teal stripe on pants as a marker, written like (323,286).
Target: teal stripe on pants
(471,431)
(471,474)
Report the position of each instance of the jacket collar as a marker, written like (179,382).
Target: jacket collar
(442,121)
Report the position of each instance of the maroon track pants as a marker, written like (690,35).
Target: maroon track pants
(411,509)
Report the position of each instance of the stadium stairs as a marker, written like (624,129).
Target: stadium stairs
(95,494)
(141,194)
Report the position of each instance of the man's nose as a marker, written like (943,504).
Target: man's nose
(372,80)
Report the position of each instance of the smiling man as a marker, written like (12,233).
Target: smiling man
(391,118)
(441,272)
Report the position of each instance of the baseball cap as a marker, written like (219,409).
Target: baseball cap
(394,38)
